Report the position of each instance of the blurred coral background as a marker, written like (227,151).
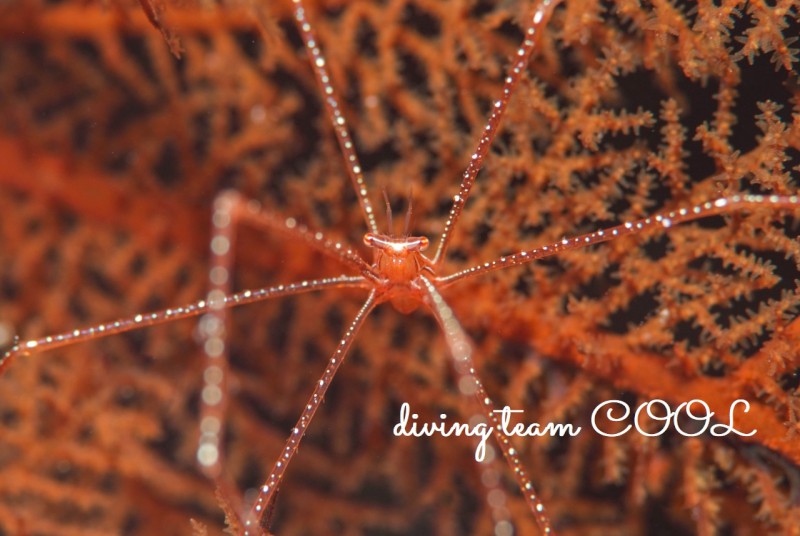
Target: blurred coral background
(120,121)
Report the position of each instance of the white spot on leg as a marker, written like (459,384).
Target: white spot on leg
(467,386)
(210,426)
(212,395)
(213,375)
(220,245)
(214,347)
(218,275)
(207,455)
(221,218)
(503,528)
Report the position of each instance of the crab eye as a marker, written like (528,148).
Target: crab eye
(369,240)
(423,243)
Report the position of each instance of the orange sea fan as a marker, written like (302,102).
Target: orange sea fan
(113,150)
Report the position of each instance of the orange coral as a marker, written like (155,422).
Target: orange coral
(112,151)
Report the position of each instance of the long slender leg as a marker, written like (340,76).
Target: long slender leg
(68,338)
(229,210)
(241,210)
(213,399)
(723,205)
(539,19)
(248,211)
(334,112)
(254,522)
(461,350)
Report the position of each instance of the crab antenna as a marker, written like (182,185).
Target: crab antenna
(388,211)
(409,211)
